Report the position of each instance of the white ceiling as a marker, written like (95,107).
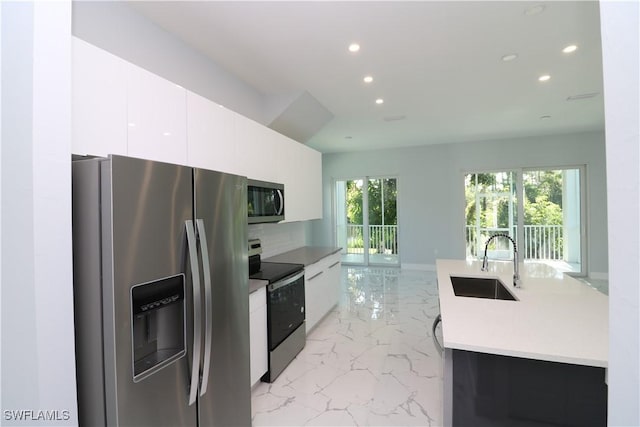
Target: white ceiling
(438,64)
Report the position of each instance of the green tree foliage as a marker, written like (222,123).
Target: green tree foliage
(494,210)
(382,193)
(542,204)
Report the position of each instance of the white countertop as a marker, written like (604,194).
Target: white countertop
(557,317)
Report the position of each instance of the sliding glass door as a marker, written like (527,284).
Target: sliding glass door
(552,218)
(366,221)
(549,203)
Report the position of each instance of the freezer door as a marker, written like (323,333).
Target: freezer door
(147,295)
(221,212)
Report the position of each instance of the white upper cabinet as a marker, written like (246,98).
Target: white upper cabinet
(258,150)
(99,101)
(211,135)
(303,183)
(156,117)
(120,108)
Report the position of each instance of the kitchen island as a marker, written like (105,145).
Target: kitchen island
(549,343)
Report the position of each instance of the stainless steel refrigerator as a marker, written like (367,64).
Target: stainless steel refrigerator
(161,294)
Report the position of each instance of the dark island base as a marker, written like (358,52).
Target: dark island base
(496,391)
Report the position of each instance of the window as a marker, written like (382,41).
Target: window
(543,214)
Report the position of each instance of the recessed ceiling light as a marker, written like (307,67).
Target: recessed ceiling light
(354,47)
(535,10)
(509,57)
(166,133)
(379,101)
(545,117)
(368,79)
(544,77)
(570,48)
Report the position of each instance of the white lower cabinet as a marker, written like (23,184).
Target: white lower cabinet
(322,289)
(258,334)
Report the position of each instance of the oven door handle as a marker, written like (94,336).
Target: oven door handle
(285,282)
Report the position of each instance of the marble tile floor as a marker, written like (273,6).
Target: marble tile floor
(370,362)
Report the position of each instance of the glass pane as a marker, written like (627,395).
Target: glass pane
(383,221)
(552,218)
(491,208)
(349,220)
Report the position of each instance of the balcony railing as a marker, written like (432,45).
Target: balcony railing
(540,241)
(383,239)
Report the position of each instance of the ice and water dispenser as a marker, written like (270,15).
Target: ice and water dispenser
(158,324)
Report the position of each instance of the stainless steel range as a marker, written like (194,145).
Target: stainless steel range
(286,330)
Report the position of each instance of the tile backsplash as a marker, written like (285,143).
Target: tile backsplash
(278,238)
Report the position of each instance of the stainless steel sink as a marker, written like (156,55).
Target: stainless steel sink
(480,287)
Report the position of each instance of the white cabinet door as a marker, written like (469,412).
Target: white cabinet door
(294,182)
(211,136)
(303,183)
(258,155)
(314,295)
(322,289)
(334,278)
(157,117)
(258,334)
(99,101)
(312,178)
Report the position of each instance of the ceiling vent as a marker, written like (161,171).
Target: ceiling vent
(582,96)
(394,118)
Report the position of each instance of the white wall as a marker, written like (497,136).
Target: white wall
(38,363)
(431,188)
(620,46)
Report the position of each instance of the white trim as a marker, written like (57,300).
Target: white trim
(598,276)
(422,267)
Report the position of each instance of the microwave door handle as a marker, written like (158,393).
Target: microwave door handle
(281,197)
(197,314)
(208,318)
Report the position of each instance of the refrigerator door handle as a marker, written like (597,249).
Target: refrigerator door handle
(197,312)
(208,319)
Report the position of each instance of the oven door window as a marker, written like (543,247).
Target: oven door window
(285,311)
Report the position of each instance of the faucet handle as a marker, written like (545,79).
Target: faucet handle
(516,281)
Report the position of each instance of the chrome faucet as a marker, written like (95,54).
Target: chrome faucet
(516,270)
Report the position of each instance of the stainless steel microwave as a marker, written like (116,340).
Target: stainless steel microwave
(265,201)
